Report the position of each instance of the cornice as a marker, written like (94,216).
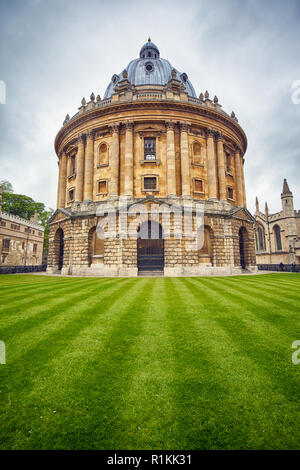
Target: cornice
(114,108)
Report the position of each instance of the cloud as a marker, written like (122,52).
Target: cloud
(53,53)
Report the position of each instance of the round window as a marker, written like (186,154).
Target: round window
(149,67)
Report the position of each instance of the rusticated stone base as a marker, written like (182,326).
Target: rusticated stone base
(83,253)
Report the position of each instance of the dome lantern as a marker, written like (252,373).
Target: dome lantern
(149,50)
(150,69)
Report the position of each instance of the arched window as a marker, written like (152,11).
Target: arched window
(197,153)
(277,237)
(96,245)
(205,244)
(261,239)
(103,154)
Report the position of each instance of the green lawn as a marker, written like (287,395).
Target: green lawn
(149,363)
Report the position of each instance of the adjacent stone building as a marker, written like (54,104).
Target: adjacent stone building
(278,235)
(151,146)
(21,240)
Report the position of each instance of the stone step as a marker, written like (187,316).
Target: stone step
(151,273)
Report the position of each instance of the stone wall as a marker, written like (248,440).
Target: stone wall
(119,256)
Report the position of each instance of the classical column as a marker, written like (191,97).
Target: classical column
(89,167)
(58,181)
(171,169)
(238,177)
(114,165)
(69,161)
(62,180)
(243,180)
(185,162)
(211,165)
(221,168)
(79,169)
(128,186)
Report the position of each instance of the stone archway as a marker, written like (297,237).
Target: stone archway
(96,247)
(243,247)
(59,245)
(150,247)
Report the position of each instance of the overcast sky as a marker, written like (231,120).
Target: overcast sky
(54,52)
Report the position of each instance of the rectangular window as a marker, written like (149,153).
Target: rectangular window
(5,244)
(3,224)
(198,186)
(34,248)
(228,169)
(230,193)
(73,164)
(71,195)
(149,146)
(150,183)
(102,187)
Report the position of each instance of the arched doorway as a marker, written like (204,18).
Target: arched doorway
(150,247)
(243,237)
(59,248)
(205,245)
(96,246)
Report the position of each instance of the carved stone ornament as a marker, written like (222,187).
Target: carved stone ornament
(170,125)
(210,132)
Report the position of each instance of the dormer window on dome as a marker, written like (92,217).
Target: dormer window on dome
(184,77)
(115,78)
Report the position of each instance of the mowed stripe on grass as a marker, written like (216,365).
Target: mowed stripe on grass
(159,363)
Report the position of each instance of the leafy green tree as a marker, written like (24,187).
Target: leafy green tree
(6,186)
(25,207)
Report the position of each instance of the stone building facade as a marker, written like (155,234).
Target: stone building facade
(151,146)
(21,240)
(278,235)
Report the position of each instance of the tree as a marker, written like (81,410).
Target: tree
(6,186)
(25,207)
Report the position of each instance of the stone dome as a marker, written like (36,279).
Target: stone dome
(150,69)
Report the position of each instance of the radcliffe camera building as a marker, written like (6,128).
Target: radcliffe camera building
(152,140)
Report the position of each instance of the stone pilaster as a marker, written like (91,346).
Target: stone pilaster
(243,180)
(89,167)
(69,161)
(58,180)
(115,157)
(185,163)
(238,177)
(62,180)
(128,184)
(221,168)
(79,169)
(171,169)
(211,165)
